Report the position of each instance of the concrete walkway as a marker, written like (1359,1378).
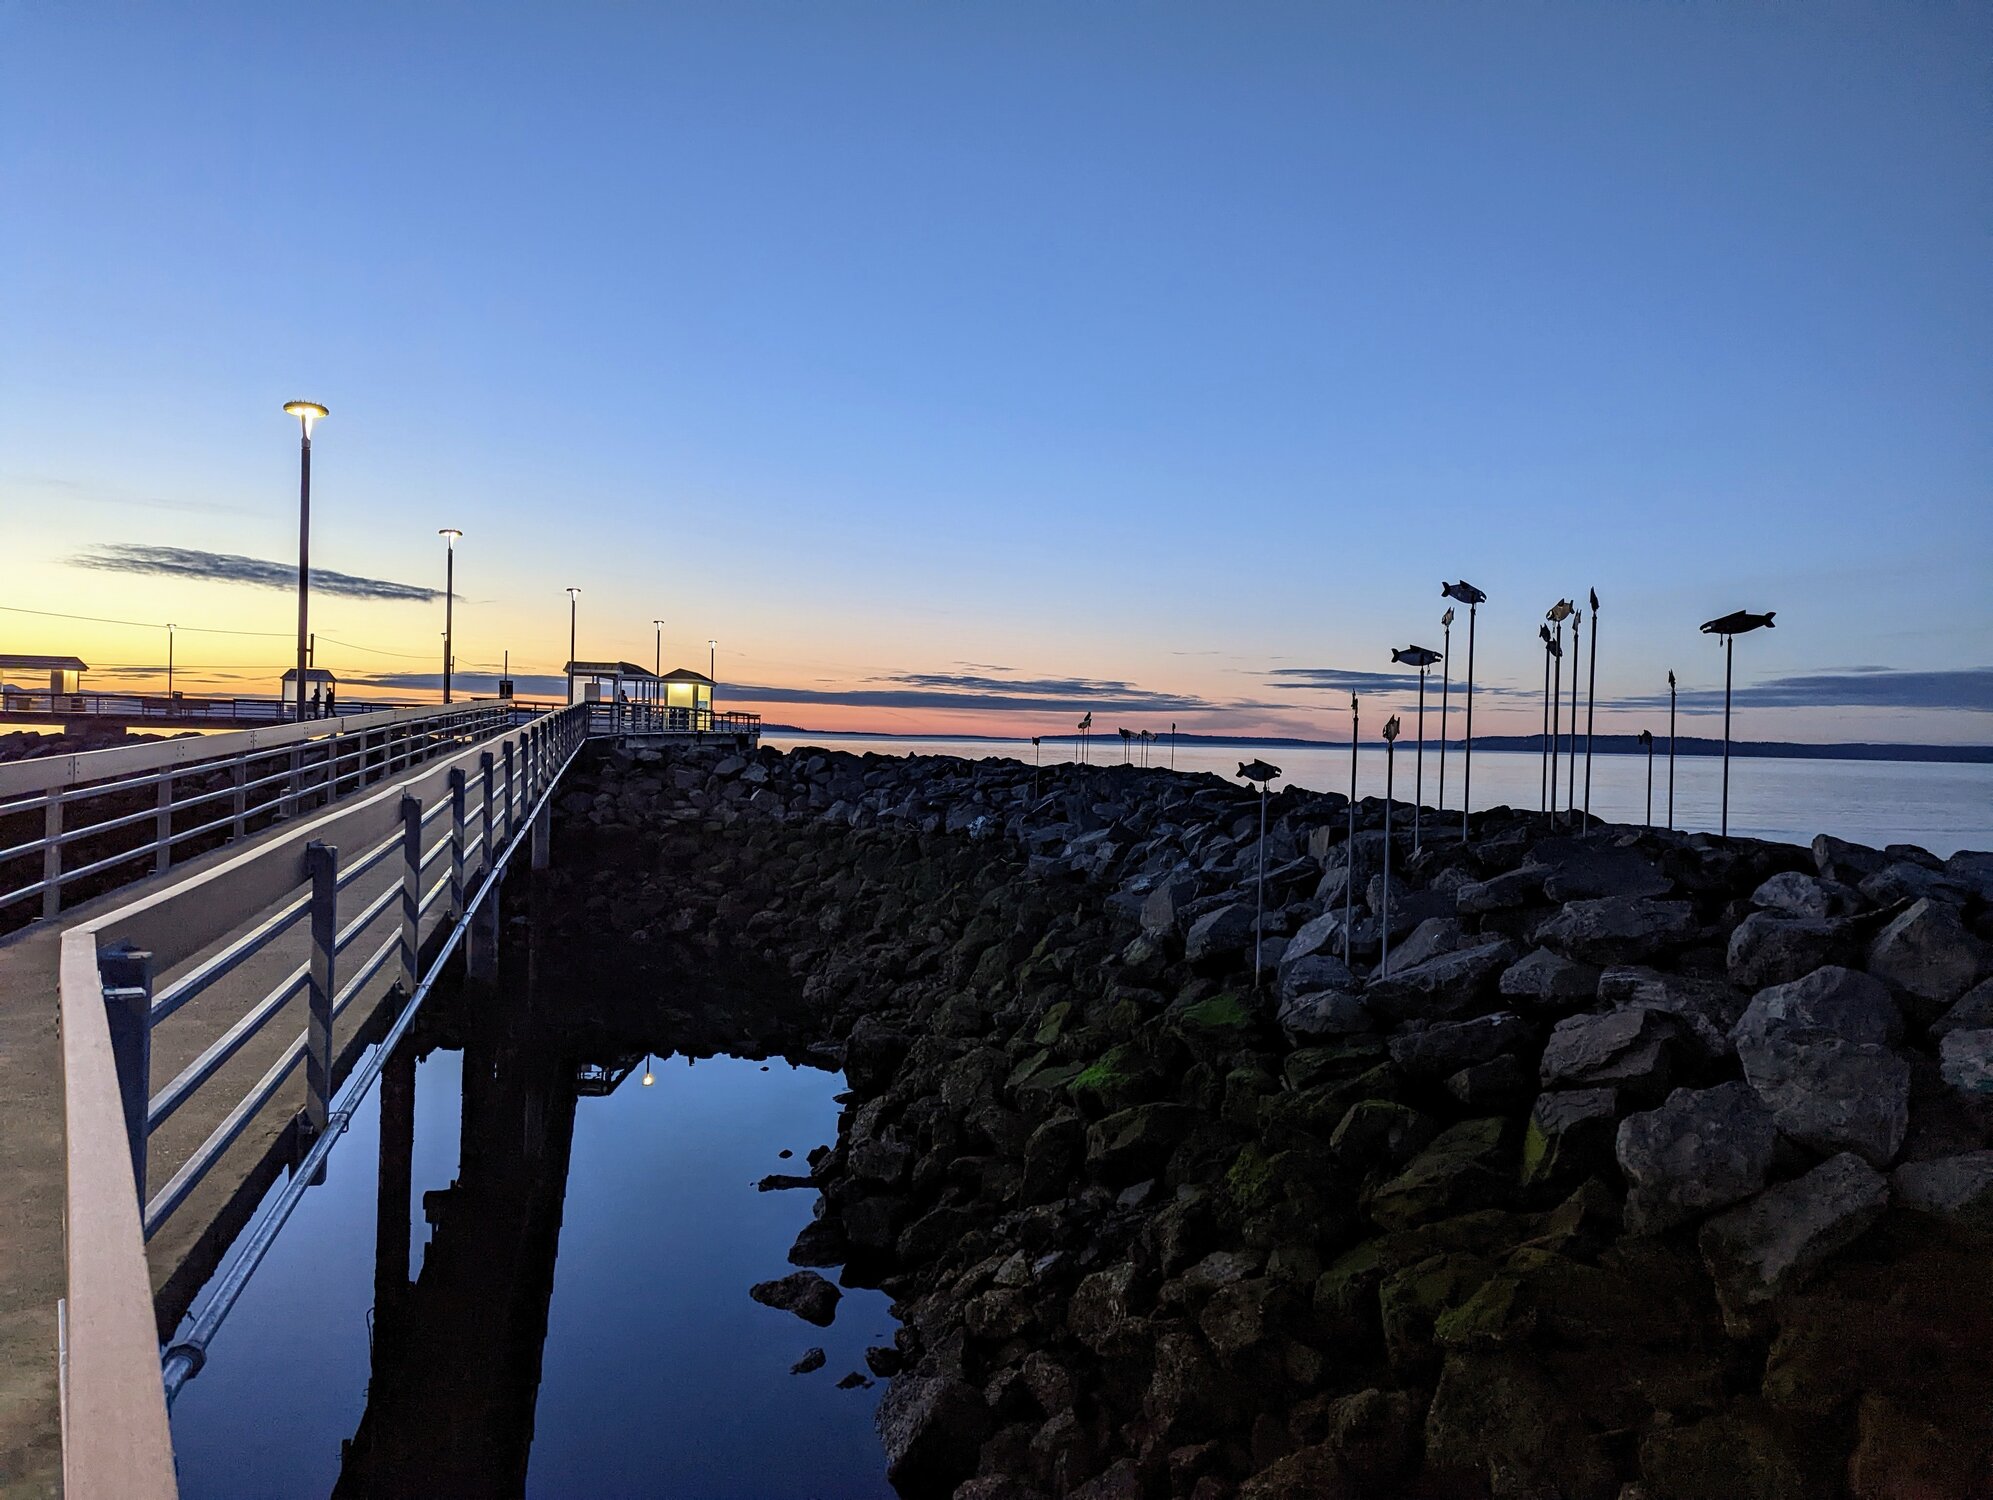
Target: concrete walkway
(31,1131)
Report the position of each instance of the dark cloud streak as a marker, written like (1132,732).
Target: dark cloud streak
(227,567)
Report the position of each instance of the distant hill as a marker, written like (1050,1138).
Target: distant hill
(1604,744)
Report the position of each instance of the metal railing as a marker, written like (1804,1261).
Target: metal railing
(645,718)
(42,706)
(454,825)
(115,813)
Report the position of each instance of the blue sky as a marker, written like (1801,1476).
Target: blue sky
(914,351)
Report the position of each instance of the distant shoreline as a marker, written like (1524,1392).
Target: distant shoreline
(1604,744)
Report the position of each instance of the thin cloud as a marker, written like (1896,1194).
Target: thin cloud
(1346,680)
(1969,689)
(976,694)
(227,567)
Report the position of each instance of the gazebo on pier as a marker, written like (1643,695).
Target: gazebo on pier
(640,703)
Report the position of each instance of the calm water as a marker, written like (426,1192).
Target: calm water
(580,1320)
(1943,807)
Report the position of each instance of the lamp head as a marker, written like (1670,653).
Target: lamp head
(573,592)
(451,532)
(307,412)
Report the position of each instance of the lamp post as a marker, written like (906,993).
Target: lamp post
(1728,628)
(449,534)
(1647,739)
(1591,701)
(573,594)
(1671,750)
(1473,598)
(169,661)
(1445,681)
(307,412)
(657,650)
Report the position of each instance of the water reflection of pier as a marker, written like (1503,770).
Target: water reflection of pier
(457,1351)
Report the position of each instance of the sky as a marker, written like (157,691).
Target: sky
(964,367)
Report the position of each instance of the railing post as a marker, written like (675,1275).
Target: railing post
(485,768)
(162,827)
(126,973)
(240,826)
(52,852)
(321,863)
(411,892)
(511,814)
(456,843)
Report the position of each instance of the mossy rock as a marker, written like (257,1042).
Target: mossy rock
(1468,1166)
(1223,1017)
(1411,1301)
(1250,1181)
(1119,1078)
(1052,1023)
(1308,1066)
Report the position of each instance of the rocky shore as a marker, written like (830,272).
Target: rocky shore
(1656,1165)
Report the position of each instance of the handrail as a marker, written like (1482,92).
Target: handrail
(154,784)
(115,1436)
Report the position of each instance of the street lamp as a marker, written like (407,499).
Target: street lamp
(573,594)
(657,654)
(449,535)
(169,661)
(712,659)
(307,412)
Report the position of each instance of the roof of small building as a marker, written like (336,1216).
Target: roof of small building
(42,664)
(686,674)
(311,674)
(607,669)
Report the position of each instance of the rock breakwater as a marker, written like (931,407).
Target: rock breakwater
(1655,1166)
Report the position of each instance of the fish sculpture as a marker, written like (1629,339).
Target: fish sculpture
(1671,678)
(1647,737)
(1543,634)
(1391,728)
(1034,739)
(1415,656)
(1464,591)
(1126,734)
(1557,648)
(1258,770)
(1737,622)
(1087,722)
(1595,600)
(1447,618)
(1560,611)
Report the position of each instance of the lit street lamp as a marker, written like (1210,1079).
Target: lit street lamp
(712,660)
(307,412)
(449,535)
(572,595)
(657,653)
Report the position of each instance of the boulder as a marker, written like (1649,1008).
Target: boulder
(1702,1150)
(1618,929)
(872,1054)
(1317,971)
(1767,948)
(1635,1050)
(1500,1420)
(1219,936)
(1839,860)
(1134,1143)
(804,1293)
(1432,937)
(1448,1047)
(1928,953)
(1736,1454)
(1951,1187)
(1569,1138)
(1831,1094)
(1902,880)
(1844,1001)
(1381,1133)
(932,1429)
(1443,988)
(1163,907)
(1973,1013)
(1706,1008)
(1549,980)
(1318,935)
(1973,869)
(1519,887)
(1583,869)
(1965,1059)
(1791,894)
(1771,1245)
(1468,1166)
(1324,1013)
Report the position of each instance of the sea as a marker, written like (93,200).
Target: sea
(1938,806)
